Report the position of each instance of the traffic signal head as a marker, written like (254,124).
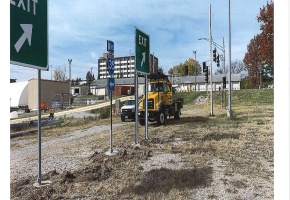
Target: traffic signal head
(218,60)
(204,66)
(214,55)
(224,82)
(206,75)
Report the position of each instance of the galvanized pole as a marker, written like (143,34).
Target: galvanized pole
(146,107)
(229,113)
(136,105)
(91,78)
(111,130)
(51,72)
(39,127)
(210,54)
(224,68)
(195,70)
(69,61)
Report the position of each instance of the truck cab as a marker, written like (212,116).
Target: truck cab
(161,101)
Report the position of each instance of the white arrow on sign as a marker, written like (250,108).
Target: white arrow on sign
(112,84)
(27,28)
(143,58)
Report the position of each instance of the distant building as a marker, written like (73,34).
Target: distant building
(183,83)
(188,83)
(53,93)
(124,67)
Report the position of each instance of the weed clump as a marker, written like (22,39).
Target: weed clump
(104,112)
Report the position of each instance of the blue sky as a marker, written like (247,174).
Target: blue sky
(78,30)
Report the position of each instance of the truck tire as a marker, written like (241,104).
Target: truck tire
(161,118)
(142,122)
(177,115)
(123,119)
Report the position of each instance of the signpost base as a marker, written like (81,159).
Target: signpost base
(113,153)
(42,184)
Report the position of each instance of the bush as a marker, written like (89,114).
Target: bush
(104,112)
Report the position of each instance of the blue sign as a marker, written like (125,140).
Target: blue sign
(110,46)
(111,84)
(111,65)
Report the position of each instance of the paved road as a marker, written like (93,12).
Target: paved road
(67,113)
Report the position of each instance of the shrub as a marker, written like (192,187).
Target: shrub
(104,112)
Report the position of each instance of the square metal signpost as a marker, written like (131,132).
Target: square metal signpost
(29,46)
(142,63)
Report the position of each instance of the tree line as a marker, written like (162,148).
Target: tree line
(59,74)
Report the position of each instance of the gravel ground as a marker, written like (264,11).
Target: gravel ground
(24,159)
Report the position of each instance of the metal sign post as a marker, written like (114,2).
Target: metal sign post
(111,88)
(111,130)
(39,128)
(29,45)
(111,85)
(146,107)
(136,107)
(142,63)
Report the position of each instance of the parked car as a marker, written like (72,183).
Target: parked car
(128,110)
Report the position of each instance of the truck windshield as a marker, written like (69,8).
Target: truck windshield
(130,102)
(155,87)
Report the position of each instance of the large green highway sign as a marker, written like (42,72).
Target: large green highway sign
(142,49)
(28,33)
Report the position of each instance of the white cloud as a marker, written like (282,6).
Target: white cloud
(79,29)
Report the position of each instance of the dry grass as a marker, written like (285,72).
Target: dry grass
(196,157)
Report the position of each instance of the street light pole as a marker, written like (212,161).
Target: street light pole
(69,61)
(210,47)
(195,70)
(91,77)
(229,113)
(51,72)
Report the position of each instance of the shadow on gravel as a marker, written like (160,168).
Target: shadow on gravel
(182,120)
(163,180)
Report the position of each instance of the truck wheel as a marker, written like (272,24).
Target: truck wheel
(177,115)
(123,119)
(161,118)
(142,122)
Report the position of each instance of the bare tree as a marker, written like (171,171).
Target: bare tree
(59,74)
(237,67)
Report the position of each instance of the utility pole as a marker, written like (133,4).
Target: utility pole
(224,70)
(69,61)
(91,78)
(210,55)
(195,70)
(229,113)
(51,72)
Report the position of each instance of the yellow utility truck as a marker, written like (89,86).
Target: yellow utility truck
(162,100)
